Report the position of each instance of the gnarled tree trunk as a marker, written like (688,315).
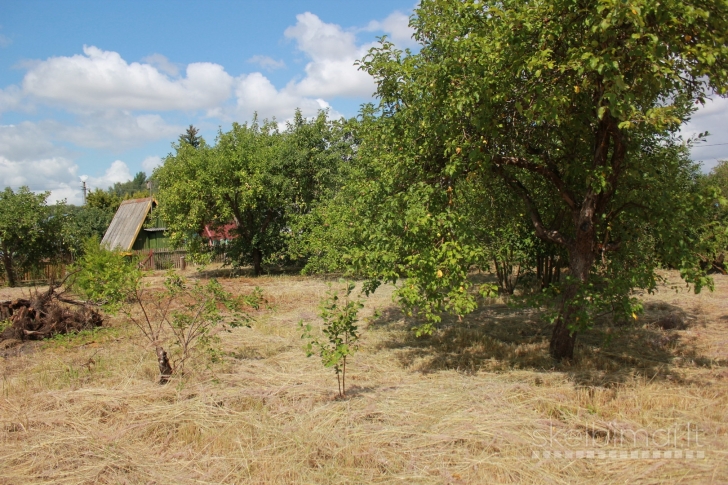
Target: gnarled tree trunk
(581,259)
(165,368)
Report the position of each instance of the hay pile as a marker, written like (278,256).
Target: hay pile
(44,315)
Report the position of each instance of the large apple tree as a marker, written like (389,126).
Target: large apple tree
(573,107)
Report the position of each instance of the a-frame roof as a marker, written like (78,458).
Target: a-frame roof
(127,223)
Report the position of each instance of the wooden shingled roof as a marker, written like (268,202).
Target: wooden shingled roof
(127,223)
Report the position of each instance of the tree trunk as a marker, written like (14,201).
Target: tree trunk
(165,368)
(581,258)
(8,264)
(257,259)
(563,339)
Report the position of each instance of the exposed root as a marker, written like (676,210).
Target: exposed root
(46,314)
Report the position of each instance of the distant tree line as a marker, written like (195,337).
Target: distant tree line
(110,199)
(33,232)
(255,183)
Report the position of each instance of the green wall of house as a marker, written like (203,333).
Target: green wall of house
(151,240)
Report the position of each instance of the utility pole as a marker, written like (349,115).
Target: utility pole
(83,187)
(149,186)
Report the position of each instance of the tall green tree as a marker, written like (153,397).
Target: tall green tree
(131,188)
(573,107)
(231,182)
(105,200)
(30,231)
(255,177)
(319,153)
(82,223)
(110,199)
(191,137)
(718,177)
(714,253)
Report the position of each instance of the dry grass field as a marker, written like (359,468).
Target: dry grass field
(478,402)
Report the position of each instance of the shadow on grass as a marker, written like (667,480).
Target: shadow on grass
(500,338)
(271,270)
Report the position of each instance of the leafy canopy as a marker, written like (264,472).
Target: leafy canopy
(570,107)
(31,231)
(255,179)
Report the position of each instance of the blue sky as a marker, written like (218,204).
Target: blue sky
(103,88)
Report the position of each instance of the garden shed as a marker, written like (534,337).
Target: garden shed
(136,226)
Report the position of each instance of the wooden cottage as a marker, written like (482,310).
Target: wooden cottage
(135,226)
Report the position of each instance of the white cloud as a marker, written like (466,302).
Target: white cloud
(56,174)
(27,141)
(333,53)
(41,174)
(150,163)
(713,118)
(267,63)
(29,157)
(163,64)
(255,93)
(102,79)
(331,72)
(71,193)
(321,40)
(114,130)
(397,28)
(117,172)
(5,41)
(59,176)
(10,98)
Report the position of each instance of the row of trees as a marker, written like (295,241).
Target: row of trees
(110,199)
(33,232)
(254,183)
(523,137)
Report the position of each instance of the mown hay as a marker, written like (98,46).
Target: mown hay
(470,404)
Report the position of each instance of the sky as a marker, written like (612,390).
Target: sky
(102,89)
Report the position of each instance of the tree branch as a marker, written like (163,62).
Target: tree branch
(601,138)
(542,232)
(549,172)
(614,213)
(619,153)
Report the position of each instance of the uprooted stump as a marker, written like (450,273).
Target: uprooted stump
(44,315)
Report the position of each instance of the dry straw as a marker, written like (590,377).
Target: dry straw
(471,404)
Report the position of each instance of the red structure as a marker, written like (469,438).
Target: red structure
(219,235)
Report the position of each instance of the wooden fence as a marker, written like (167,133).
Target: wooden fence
(156,259)
(42,274)
(162,259)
